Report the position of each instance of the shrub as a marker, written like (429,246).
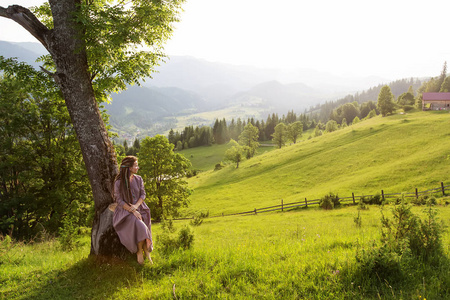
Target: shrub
(69,233)
(185,238)
(426,238)
(169,243)
(376,199)
(404,239)
(329,201)
(357,219)
(198,218)
(218,166)
(407,108)
(191,173)
(362,205)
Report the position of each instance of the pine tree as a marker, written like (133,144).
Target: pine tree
(386,101)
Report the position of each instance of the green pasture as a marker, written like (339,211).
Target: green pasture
(395,154)
(298,254)
(304,254)
(206,157)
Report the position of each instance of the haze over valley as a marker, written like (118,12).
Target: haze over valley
(189,91)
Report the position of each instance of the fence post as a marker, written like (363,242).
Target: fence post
(306,203)
(417,194)
(222,214)
(382,195)
(443,189)
(281,204)
(255,211)
(353,195)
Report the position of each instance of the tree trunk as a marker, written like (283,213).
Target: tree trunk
(72,75)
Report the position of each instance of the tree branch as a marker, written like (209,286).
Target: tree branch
(25,18)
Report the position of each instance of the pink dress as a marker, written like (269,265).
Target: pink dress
(130,229)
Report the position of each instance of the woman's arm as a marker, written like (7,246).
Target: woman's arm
(142,195)
(122,203)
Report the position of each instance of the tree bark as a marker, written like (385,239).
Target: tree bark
(68,51)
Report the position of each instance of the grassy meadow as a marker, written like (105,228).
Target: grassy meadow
(298,254)
(205,158)
(395,154)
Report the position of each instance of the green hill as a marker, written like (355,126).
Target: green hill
(396,154)
(205,158)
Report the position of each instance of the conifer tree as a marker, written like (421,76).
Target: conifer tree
(386,101)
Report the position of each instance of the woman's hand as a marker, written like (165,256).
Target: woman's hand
(137,215)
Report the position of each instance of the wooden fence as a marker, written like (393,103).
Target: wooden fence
(353,199)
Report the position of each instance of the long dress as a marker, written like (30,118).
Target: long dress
(130,229)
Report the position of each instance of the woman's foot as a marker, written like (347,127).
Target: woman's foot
(147,254)
(140,257)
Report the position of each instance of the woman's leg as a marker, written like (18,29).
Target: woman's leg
(140,257)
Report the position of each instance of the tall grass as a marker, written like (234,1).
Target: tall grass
(309,253)
(305,253)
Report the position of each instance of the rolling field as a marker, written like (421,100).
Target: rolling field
(395,154)
(299,254)
(306,254)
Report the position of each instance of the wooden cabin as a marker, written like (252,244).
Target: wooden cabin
(436,101)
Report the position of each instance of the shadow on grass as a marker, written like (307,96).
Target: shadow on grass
(90,278)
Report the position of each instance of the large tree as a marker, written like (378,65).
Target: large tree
(235,153)
(294,131)
(42,176)
(95,49)
(249,139)
(386,101)
(163,170)
(279,137)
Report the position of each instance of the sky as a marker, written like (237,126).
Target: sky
(392,39)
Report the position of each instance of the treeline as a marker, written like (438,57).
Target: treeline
(324,111)
(223,131)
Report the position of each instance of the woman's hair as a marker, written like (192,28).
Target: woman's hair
(124,176)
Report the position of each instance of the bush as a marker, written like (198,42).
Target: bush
(69,233)
(218,166)
(358,220)
(169,243)
(329,201)
(405,239)
(407,108)
(376,199)
(424,200)
(198,218)
(362,205)
(191,173)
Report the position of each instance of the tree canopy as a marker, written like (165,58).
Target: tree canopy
(163,170)
(280,135)
(235,153)
(294,131)
(249,139)
(386,101)
(97,47)
(42,177)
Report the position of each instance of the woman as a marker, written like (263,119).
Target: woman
(132,216)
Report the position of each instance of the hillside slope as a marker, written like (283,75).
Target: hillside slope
(396,153)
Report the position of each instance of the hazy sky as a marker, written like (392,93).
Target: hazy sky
(388,38)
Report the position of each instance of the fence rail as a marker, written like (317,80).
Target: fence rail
(353,198)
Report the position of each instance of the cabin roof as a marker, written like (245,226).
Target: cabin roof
(436,96)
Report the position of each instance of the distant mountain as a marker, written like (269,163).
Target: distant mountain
(218,81)
(151,110)
(26,52)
